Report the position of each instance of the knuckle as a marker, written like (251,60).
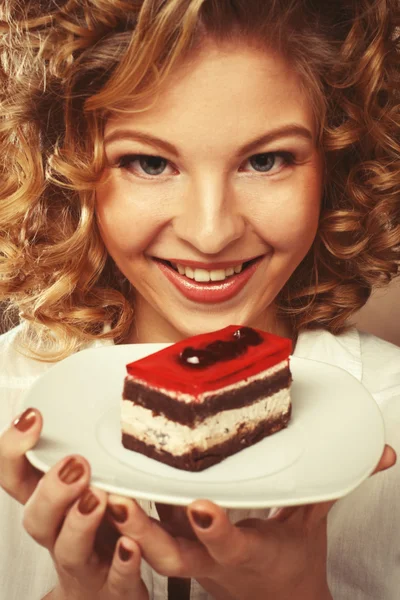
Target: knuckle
(28,523)
(117,586)
(113,587)
(49,493)
(142,531)
(42,488)
(171,568)
(230,561)
(235,558)
(72,529)
(120,581)
(66,562)
(30,526)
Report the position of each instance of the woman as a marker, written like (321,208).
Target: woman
(146,146)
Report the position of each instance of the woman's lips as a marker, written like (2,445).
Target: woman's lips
(218,291)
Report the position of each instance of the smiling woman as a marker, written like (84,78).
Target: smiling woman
(170,168)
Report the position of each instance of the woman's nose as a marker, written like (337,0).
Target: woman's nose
(209,218)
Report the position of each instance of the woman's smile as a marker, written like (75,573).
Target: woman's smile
(205,283)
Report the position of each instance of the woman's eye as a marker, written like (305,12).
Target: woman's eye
(269,161)
(144,164)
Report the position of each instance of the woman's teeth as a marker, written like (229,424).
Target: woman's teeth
(202,275)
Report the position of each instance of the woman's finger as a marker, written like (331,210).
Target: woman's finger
(227,544)
(387,460)
(175,521)
(124,580)
(78,532)
(55,493)
(119,580)
(107,536)
(167,555)
(17,476)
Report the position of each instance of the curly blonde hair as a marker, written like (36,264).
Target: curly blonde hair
(68,66)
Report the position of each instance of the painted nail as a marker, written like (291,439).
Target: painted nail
(26,420)
(202,519)
(71,471)
(124,553)
(118,512)
(88,502)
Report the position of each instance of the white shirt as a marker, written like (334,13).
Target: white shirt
(364,527)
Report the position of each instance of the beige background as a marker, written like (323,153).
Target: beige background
(381,314)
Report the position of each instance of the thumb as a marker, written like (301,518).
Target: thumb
(387,460)
(17,476)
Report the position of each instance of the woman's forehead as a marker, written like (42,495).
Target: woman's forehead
(224,88)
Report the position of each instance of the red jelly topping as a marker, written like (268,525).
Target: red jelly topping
(200,358)
(210,361)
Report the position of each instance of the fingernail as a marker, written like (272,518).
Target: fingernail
(88,502)
(118,512)
(202,519)
(26,420)
(71,471)
(124,553)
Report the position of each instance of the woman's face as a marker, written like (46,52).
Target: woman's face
(214,193)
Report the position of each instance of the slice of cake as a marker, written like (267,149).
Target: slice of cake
(198,401)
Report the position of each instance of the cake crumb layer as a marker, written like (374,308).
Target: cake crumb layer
(196,460)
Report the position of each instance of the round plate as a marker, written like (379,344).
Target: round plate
(333,442)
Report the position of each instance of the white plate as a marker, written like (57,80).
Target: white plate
(333,442)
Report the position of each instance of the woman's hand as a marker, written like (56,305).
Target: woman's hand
(281,558)
(254,559)
(65,516)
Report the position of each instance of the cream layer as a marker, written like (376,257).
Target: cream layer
(199,398)
(179,439)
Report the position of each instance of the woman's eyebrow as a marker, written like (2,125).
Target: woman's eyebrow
(289,130)
(130,134)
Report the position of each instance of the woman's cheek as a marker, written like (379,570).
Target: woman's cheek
(287,212)
(288,228)
(122,224)
(124,233)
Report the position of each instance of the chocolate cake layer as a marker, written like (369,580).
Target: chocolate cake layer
(199,460)
(191,413)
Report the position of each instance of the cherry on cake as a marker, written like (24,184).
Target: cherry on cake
(205,398)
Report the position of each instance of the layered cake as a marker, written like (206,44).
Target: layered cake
(196,402)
